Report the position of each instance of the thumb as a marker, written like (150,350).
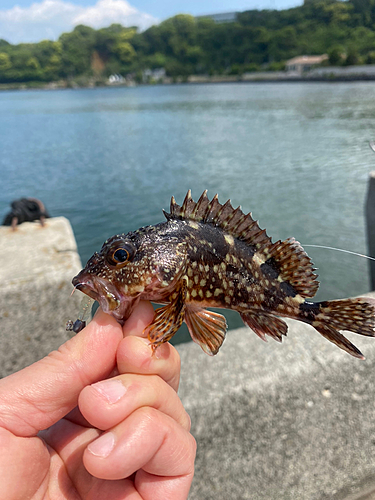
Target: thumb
(41,394)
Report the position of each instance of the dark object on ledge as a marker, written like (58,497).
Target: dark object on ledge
(25,210)
(75,327)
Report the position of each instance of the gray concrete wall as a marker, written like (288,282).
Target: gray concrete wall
(370,225)
(281,421)
(36,268)
(365,70)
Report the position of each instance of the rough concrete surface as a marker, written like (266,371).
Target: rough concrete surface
(36,268)
(281,421)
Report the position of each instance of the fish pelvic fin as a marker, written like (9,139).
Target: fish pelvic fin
(206,328)
(329,317)
(265,324)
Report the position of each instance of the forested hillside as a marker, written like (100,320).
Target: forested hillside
(184,45)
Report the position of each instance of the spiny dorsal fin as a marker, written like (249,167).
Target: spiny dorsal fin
(234,221)
(290,259)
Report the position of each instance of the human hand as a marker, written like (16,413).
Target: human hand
(53,412)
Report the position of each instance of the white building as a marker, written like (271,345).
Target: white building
(301,64)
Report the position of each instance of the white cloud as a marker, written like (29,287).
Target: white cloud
(49,18)
(106,12)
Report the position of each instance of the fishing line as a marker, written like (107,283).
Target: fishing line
(341,250)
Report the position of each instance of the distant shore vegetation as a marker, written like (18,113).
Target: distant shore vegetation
(184,45)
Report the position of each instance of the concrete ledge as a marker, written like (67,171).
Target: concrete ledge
(281,421)
(37,266)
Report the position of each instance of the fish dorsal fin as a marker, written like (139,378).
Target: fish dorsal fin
(293,265)
(288,258)
(233,221)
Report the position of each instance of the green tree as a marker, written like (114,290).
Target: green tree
(335,55)
(4,44)
(363,12)
(283,44)
(33,64)
(108,39)
(125,52)
(123,49)
(352,57)
(5,63)
(77,49)
(49,56)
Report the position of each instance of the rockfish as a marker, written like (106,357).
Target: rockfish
(211,255)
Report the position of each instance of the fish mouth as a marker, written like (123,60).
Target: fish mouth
(110,299)
(84,288)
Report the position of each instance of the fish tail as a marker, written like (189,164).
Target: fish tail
(354,315)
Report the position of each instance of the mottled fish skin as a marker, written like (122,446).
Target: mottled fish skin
(212,255)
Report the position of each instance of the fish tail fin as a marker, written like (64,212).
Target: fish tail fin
(354,315)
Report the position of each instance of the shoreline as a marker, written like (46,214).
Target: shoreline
(318,75)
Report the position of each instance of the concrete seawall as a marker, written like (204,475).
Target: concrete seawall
(37,266)
(273,421)
(281,421)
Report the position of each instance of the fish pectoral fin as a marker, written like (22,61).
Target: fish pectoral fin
(265,324)
(206,328)
(169,318)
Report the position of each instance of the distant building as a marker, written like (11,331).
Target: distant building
(116,79)
(301,64)
(225,17)
(157,74)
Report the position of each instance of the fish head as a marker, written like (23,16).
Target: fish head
(108,277)
(128,268)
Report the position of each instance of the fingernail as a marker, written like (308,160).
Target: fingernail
(102,446)
(112,390)
(161,352)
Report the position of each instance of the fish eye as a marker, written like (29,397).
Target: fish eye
(120,255)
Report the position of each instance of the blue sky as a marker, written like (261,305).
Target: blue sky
(34,20)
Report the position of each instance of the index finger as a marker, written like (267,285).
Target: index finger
(39,395)
(135,354)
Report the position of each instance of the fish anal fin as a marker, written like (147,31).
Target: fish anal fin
(265,324)
(206,328)
(293,265)
(168,319)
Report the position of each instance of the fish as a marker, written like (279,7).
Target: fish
(210,255)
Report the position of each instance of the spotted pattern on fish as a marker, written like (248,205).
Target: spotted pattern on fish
(211,255)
